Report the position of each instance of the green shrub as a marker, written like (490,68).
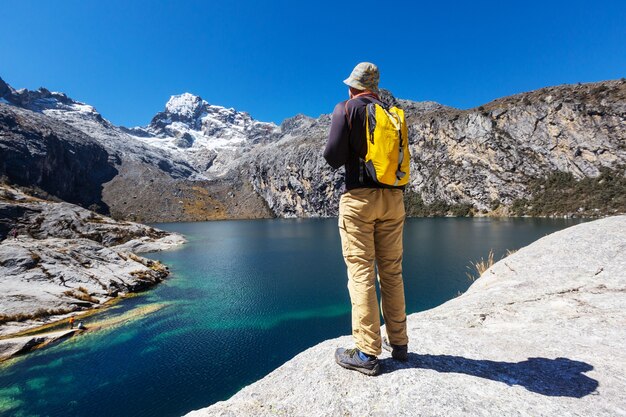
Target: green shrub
(560,193)
(415,207)
(461,210)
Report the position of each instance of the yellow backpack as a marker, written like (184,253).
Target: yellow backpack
(387,158)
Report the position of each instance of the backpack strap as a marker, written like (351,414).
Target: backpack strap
(365,93)
(399,173)
(371,135)
(370,113)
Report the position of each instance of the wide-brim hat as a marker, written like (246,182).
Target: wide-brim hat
(364,76)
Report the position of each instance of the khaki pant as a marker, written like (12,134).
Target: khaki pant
(370,224)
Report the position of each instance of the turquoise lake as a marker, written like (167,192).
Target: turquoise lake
(243,298)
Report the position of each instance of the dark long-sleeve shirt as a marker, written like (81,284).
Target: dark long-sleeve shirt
(347,140)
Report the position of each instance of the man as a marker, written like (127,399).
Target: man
(371,219)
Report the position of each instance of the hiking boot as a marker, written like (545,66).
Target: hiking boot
(350,359)
(398,352)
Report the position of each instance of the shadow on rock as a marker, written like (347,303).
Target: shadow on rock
(560,377)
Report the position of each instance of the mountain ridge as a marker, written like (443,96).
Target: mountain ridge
(465,162)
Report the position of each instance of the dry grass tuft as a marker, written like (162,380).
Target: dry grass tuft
(480,267)
(82,294)
(143,274)
(155,266)
(40,313)
(202,205)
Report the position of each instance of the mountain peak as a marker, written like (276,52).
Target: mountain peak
(4,88)
(45,101)
(186,105)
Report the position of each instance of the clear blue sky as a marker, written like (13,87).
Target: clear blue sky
(275,59)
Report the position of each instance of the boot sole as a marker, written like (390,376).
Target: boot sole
(369,372)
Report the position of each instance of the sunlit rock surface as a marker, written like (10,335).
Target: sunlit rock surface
(66,259)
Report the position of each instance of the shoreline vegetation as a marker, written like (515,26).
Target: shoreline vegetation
(54,327)
(558,195)
(55,322)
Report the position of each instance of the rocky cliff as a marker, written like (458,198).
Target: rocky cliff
(291,174)
(38,151)
(540,333)
(476,161)
(490,155)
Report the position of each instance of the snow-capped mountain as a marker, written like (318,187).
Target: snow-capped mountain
(191,137)
(155,180)
(120,145)
(211,138)
(49,102)
(219,126)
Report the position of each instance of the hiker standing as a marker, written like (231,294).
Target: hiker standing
(14,233)
(371,220)
(72,319)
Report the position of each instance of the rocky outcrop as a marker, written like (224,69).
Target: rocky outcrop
(540,333)
(19,345)
(291,173)
(491,153)
(42,219)
(57,258)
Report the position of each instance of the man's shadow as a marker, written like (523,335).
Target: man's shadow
(560,377)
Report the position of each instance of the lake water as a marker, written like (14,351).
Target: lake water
(243,298)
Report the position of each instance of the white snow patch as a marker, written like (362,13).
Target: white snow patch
(48,101)
(83,108)
(184,104)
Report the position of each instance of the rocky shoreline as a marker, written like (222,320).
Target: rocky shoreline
(540,333)
(59,260)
